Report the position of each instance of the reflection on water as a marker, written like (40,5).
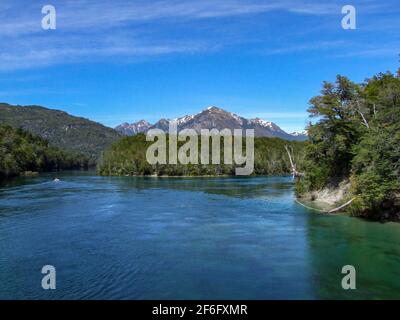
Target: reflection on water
(181,238)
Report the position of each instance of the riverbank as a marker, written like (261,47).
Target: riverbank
(340,200)
(328,198)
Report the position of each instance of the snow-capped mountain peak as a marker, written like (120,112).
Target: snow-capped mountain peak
(299,133)
(214,118)
(133,128)
(264,123)
(183,120)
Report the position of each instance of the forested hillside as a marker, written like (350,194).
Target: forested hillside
(62,130)
(128,157)
(21,151)
(357,138)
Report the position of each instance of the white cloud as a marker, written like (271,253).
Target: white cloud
(308,46)
(370,51)
(108,14)
(278,115)
(90,30)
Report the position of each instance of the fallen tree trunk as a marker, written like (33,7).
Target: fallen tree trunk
(342,206)
(311,208)
(328,211)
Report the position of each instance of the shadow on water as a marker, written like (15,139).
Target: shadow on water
(241,187)
(6,183)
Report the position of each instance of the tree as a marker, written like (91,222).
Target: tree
(357,138)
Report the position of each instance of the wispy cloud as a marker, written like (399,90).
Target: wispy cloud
(71,52)
(370,51)
(107,14)
(278,115)
(91,30)
(308,46)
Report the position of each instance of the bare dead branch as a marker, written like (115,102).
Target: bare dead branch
(295,173)
(365,122)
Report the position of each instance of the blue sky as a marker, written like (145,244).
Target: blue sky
(117,61)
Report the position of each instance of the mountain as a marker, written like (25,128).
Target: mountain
(217,118)
(300,135)
(22,153)
(133,128)
(60,129)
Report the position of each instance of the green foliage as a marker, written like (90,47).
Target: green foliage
(21,151)
(357,137)
(330,152)
(75,134)
(128,157)
(376,166)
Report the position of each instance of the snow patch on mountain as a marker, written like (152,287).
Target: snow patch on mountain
(264,123)
(214,118)
(299,133)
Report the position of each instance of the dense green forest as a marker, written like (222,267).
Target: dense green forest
(21,152)
(70,133)
(357,138)
(128,157)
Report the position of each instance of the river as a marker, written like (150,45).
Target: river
(185,238)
